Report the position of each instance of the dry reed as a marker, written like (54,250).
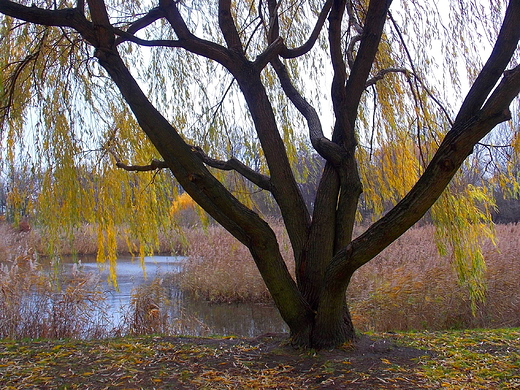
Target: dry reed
(221,269)
(150,312)
(408,286)
(81,241)
(36,304)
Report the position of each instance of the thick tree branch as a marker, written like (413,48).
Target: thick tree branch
(269,54)
(503,94)
(343,97)
(506,44)
(456,146)
(211,195)
(350,49)
(228,28)
(347,111)
(61,17)
(352,19)
(285,188)
(190,42)
(68,17)
(326,148)
(153,15)
(273,29)
(372,31)
(99,13)
(309,44)
(262,181)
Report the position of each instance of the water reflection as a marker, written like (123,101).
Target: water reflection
(244,319)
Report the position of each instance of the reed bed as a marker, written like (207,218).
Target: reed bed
(411,287)
(408,286)
(36,302)
(220,269)
(81,241)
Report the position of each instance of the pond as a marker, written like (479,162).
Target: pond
(238,319)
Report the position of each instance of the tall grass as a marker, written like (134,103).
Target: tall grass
(408,286)
(150,312)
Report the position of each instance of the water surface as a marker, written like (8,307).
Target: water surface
(242,319)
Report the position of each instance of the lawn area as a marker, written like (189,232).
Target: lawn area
(471,359)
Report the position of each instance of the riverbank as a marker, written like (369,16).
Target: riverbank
(475,359)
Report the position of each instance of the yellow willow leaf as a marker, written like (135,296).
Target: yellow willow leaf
(460,227)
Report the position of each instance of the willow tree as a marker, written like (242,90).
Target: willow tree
(92,90)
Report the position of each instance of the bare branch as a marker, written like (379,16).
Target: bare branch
(153,15)
(352,20)
(81,6)
(227,26)
(192,43)
(350,49)
(127,37)
(268,54)
(259,179)
(456,146)
(372,32)
(153,166)
(382,73)
(505,46)
(326,148)
(67,17)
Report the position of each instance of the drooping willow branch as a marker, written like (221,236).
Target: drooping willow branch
(415,73)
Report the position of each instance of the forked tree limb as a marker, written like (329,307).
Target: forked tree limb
(262,181)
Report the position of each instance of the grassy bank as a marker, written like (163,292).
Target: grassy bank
(478,359)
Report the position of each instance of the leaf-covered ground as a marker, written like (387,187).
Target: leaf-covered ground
(476,359)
